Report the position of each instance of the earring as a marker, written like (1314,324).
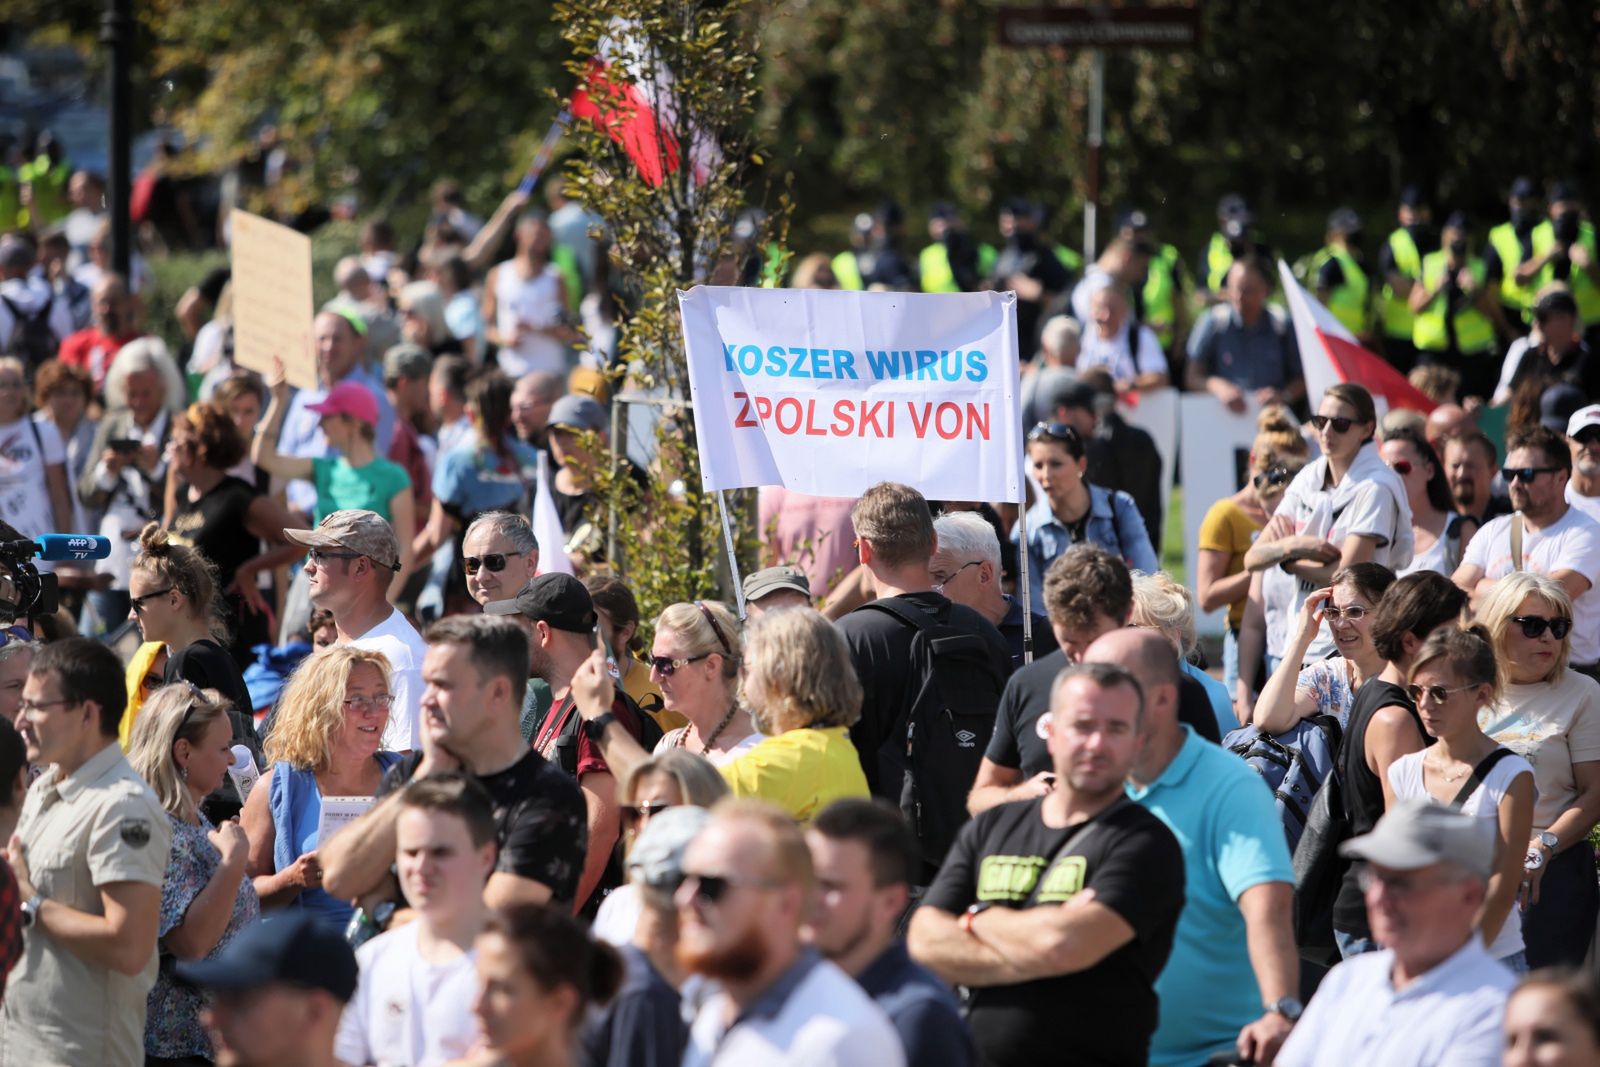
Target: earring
(183,772)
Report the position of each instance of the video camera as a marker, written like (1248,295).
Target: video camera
(32,593)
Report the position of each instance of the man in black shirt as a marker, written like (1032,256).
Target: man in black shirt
(894,533)
(1028,266)
(1008,915)
(1088,592)
(475,671)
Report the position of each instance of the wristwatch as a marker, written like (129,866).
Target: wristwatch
(595,728)
(1549,840)
(30,909)
(1288,1007)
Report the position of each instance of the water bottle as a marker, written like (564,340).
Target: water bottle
(243,772)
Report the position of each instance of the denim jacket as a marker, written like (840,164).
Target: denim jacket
(1114,524)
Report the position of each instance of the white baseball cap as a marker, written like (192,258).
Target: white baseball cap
(1582,419)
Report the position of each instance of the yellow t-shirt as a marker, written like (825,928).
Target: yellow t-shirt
(1227,528)
(802,771)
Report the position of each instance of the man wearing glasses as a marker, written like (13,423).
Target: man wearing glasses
(747,889)
(354,557)
(1546,535)
(90,854)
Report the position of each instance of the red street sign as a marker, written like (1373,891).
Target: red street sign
(1100,27)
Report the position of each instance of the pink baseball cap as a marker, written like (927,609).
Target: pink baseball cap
(349,398)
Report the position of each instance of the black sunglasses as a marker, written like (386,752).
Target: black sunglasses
(1526,474)
(1271,477)
(493,562)
(668,667)
(634,815)
(711,888)
(1588,435)
(1533,626)
(138,602)
(1339,422)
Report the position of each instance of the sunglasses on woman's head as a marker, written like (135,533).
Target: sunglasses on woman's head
(1534,626)
(1059,432)
(668,667)
(1271,477)
(493,562)
(1339,423)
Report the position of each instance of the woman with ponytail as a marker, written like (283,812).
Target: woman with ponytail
(172,590)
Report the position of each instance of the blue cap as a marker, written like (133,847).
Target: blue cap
(296,949)
(1524,189)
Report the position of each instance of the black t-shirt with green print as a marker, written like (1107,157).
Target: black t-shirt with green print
(1105,1014)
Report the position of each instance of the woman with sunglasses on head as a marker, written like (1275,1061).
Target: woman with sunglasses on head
(1344,507)
(670,779)
(1327,686)
(172,592)
(1073,510)
(325,742)
(540,973)
(1408,454)
(1452,679)
(1549,714)
(182,748)
(695,660)
(1231,525)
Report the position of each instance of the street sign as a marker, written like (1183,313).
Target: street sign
(1100,27)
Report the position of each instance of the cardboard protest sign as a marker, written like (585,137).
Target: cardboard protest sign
(828,392)
(272,298)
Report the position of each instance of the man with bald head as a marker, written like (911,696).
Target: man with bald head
(1448,420)
(1234,973)
(96,345)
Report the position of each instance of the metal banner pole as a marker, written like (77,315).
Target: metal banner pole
(733,560)
(1027,588)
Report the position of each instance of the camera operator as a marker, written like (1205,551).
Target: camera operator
(1564,250)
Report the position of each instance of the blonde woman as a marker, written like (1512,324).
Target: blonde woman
(695,660)
(325,742)
(1159,603)
(670,779)
(182,746)
(1549,715)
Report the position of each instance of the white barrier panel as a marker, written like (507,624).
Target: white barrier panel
(1215,451)
(827,392)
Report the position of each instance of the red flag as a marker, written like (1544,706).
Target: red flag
(628,117)
(1329,353)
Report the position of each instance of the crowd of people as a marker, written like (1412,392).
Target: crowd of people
(321,765)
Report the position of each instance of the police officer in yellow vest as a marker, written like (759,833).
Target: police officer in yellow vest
(1452,304)
(1400,265)
(1160,295)
(1235,235)
(953,262)
(1510,246)
(1564,250)
(1341,273)
(874,260)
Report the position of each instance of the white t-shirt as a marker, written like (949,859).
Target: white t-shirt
(1405,777)
(1553,727)
(1114,355)
(398,640)
(669,741)
(618,917)
(408,1012)
(533,301)
(1571,543)
(1589,505)
(24,499)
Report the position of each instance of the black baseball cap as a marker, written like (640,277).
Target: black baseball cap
(560,601)
(1524,189)
(293,949)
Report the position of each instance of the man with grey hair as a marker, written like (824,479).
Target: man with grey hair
(965,567)
(531,399)
(1234,972)
(1433,995)
(1059,344)
(500,555)
(1054,900)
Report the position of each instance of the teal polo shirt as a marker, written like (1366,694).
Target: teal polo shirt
(1223,815)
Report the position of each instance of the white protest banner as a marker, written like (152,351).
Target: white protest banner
(827,392)
(339,812)
(272,298)
(1215,452)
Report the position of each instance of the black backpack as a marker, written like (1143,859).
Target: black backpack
(32,340)
(565,752)
(947,725)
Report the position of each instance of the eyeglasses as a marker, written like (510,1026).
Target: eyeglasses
(1402,467)
(28,707)
(364,704)
(1526,474)
(635,815)
(319,557)
(1353,613)
(1339,423)
(493,562)
(942,580)
(668,667)
(1534,626)
(1436,693)
(1062,432)
(1397,885)
(711,888)
(1273,476)
(138,602)
(727,650)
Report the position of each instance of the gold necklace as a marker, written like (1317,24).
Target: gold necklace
(1447,776)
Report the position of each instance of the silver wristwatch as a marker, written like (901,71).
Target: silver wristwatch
(30,909)
(1549,840)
